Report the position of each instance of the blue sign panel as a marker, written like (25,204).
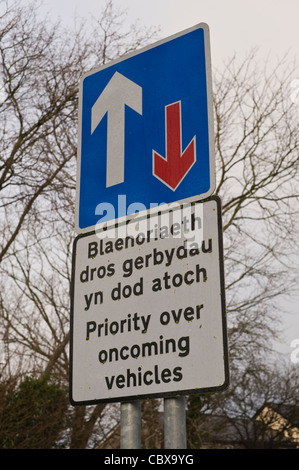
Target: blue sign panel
(146,130)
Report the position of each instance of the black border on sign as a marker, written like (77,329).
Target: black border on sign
(224,323)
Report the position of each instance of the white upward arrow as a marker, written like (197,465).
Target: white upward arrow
(120,91)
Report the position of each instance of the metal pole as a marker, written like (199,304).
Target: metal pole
(174,423)
(130,425)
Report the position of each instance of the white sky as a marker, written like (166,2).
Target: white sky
(235,26)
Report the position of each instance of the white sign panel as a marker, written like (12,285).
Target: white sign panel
(148,307)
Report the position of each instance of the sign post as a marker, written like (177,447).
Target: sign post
(130,425)
(148,303)
(175,423)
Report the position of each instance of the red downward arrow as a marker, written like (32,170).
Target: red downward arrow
(174,168)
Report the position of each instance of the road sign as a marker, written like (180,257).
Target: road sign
(148,307)
(146,130)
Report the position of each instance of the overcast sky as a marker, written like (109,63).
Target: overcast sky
(236,26)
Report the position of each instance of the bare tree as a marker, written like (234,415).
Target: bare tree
(40,68)
(260,410)
(257,155)
(259,394)
(257,149)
